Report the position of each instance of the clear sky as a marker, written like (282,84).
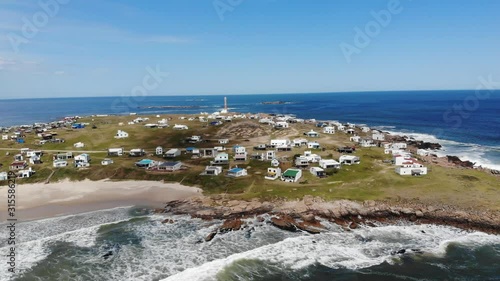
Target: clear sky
(103,48)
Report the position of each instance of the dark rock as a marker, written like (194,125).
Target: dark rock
(231,225)
(107,255)
(284,222)
(353,225)
(169,221)
(210,236)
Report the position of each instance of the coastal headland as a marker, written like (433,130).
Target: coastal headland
(453,192)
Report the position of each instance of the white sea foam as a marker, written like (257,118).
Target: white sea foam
(361,248)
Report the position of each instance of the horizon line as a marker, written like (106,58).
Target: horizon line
(286,93)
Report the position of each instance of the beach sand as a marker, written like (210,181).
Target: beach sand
(39,200)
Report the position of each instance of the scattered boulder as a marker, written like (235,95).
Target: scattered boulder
(231,225)
(284,222)
(169,221)
(210,236)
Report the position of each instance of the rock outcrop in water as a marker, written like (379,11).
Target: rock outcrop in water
(302,215)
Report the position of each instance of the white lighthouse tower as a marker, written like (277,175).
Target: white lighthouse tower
(225,106)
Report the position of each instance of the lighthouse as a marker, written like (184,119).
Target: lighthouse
(225,106)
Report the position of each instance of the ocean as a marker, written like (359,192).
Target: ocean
(142,248)
(466,123)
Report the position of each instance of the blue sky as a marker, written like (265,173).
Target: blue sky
(103,48)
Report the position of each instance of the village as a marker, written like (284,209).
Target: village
(221,152)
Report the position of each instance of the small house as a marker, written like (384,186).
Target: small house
(121,135)
(349,159)
(365,129)
(26,173)
(329,130)
(329,164)
(170,166)
(281,125)
(159,150)
(312,134)
(311,157)
(240,153)
(346,149)
(412,168)
(423,152)
(107,161)
(115,152)
(313,145)
(273,173)
(212,171)
(78,126)
(18,157)
(35,160)
(172,153)
(63,156)
(367,143)
(258,156)
(207,152)
(180,127)
(32,153)
(317,172)
(299,142)
(291,175)
(223,141)
(4,176)
(280,143)
(5,137)
(355,139)
(18,165)
(237,172)
(221,159)
(194,139)
(350,131)
(378,136)
(145,163)
(136,152)
(270,155)
(275,162)
(301,162)
(82,160)
(60,163)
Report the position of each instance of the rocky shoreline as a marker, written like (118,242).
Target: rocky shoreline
(303,215)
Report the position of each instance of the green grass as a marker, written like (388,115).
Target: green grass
(372,179)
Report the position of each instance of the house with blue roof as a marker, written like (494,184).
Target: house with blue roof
(237,172)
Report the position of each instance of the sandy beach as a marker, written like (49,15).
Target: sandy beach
(39,200)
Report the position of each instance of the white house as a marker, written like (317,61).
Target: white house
(137,152)
(400,159)
(26,173)
(350,131)
(349,159)
(212,171)
(121,135)
(411,168)
(275,162)
(82,160)
(366,143)
(365,129)
(329,130)
(329,163)
(60,163)
(159,150)
(35,160)
(240,153)
(79,145)
(270,155)
(355,139)
(273,173)
(180,127)
(280,142)
(32,153)
(341,128)
(172,153)
(423,152)
(312,134)
(223,141)
(115,152)
(301,162)
(299,142)
(317,171)
(281,125)
(107,161)
(169,166)
(291,175)
(5,137)
(313,145)
(378,136)
(221,159)
(4,176)
(237,172)
(314,158)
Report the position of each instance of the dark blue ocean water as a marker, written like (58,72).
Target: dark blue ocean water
(466,122)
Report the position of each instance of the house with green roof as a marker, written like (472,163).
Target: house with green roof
(291,175)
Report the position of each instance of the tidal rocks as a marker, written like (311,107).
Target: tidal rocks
(231,225)
(169,221)
(210,236)
(456,161)
(284,222)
